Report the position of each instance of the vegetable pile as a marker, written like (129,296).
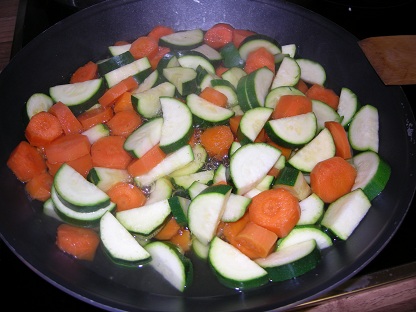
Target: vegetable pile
(222,142)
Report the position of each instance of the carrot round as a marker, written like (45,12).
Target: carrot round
(123,102)
(86,72)
(159,31)
(219,35)
(109,152)
(240,34)
(82,165)
(214,96)
(276,209)
(126,196)
(168,230)
(95,116)
(182,239)
(217,141)
(78,242)
(39,187)
(326,95)
(26,162)
(43,128)
(259,58)
(111,95)
(144,46)
(342,144)
(291,105)
(332,178)
(147,162)
(256,241)
(68,147)
(124,122)
(69,123)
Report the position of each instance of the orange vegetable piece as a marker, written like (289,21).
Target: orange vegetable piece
(42,129)
(111,95)
(235,123)
(214,96)
(39,187)
(332,178)
(342,144)
(144,46)
(147,162)
(320,93)
(69,123)
(26,162)
(259,58)
(154,60)
(109,152)
(220,70)
(82,165)
(182,239)
(126,196)
(217,141)
(86,72)
(124,122)
(291,105)
(219,35)
(68,147)
(302,86)
(240,34)
(95,116)
(159,31)
(285,150)
(169,229)
(123,103)
(78,242)
(276,209)
(230,230)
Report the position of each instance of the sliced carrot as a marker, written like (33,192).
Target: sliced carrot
(111,95)
(95,116)
(342,144)
(67,148)
(219,35)
(86,72)
(147,162)
(144,46)
(291,105)
(235,123)
(332,178)
(217,141)
(259,58)
(182,239)
(240,34)
(261,137)
(286,152)
(220,70)
(126,196)
(39,187)
(154,60)
(124,122)
(195,137)
(69,123)
(26,162)
(276,209)
(79,242)
(123,103)
(168,230)
(159,31)
(230,230)
(82,165)
(214,96)
(109,152)
(326,95)
(121,43)
(302,86)
(256,241)
(43,128)
(273,172)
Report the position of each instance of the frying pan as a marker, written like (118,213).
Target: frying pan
(51,58)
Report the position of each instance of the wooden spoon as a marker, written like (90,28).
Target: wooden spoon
(393,58)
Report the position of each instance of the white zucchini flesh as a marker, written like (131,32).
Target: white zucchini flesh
(75,93)
(363,130)
(311,72)
(312,209)
(119,243)
(303,233)
(323,113)
(288,73)
(347,105)
(253,122)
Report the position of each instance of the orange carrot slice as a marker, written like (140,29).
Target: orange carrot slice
(86,72)
(214,96)
(230,230)
(168,230)
(159,31)
(69,123)
(259,58)
(95,116)
(291,105)
(123,103)
(240,34)
(68,147)
(111,95)
(154,60)
(82,165)
(42,129)
(217,141)
(124,122)
(235,123)
(342,144)
(219,35)
(144,46)
(302,86)
(126,196)
(109,152)
(147,162)
(320,93)
(182,239)
(39,187)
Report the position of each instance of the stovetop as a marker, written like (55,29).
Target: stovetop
(360,17)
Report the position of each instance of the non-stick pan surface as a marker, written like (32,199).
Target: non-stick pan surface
(51,58)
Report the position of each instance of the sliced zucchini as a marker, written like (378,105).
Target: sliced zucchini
(193,59)
(373,173)
(151,81)
(115,62)
(140,69)
(292,179)
(289,49)
(119,49)
(122,247)
(258,85)
(183,40)
(288,73)
(363,130)
(161,189)
(185,181)
(235,208)
(305,233)
(312,210)
(311,72)
(38,102)
(292,261)
(79,96)
(196,188)
(179,207)
(344,215)
(226,88)
(184,79)
(200,157)
(254,42)
(168,60)
(233,75)
(274,95)
(96,132)
(213,55)
(252,123)
(172,265)
(201,250)
(233,268)
(220,174)
(324,112)
(348,105)
(105,178)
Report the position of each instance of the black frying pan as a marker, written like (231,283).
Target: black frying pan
(51,58)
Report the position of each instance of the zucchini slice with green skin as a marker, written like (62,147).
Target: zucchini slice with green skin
(348,105)
(235,208)
(201,250)
(289,49)
(233,75)
(323,113)
(200,157)
(274,95)
(205,211)
(97,132)
(138,68)
(183,40)
(250,164)
(141,140)
(76,192)
(304,233)
(258,86)
(119,244)
(320,148)
(177,127)
(344,215)
(172,265)
(79,96)
(105,178)
(311,72)
(168,60)
(119,49)
(155,78)
(38,102)
(213,55)
(233,268)
(193,59)
(252,123)
(288,73)
(196,188)
(373,173)
(183,78)
(312,210)
(145,220)
(115,62)
(254,42)
(363,130)
(294,131)
(292,261)
(160,190)
(292,179)
(185,181)
(179,207)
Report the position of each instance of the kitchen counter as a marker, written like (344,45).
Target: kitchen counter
(392,289)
